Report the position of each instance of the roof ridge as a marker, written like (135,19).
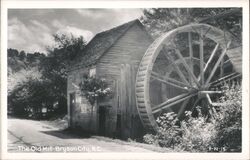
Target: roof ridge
(114,28)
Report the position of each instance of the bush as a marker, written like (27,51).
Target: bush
(216,133)
(197,133)
(28,98)
(168,134)
(229,119)
(94,88)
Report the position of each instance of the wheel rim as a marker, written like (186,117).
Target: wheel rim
(186,62)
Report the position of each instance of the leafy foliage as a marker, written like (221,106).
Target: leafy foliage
(29,94)
(18,61)
(229,117)
(220,132)
(42,80)
(169,133)
(94,88)
(198,134)
(54,66)
(161,20)
(20,70)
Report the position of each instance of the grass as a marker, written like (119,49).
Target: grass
(135,144)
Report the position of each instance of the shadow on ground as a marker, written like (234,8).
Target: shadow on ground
(68,134)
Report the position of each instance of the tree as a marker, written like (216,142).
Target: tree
(34,90)
(30,94)
(54,66)
(12,52)
(22,55)
(160,20)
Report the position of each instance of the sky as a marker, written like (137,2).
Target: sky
(31,30)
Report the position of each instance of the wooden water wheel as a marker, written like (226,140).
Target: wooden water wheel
(182,69)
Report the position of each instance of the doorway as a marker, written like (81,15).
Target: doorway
(102,120)
(72,101)
(118,126)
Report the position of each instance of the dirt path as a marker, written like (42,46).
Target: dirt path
(35,136)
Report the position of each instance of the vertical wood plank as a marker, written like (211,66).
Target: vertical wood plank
(133,106)
(129,101)
(133,73)
(122,99)
(126,104)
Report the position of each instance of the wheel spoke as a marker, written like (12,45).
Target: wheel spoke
(212,103)
(225,78)
(195,103)
(217,64)
(190,51)
(201,60)
(182,108)
(172,101)
(186,66)
(209,60)
(211,57)
(221,67)
(207,31)
(166,80)
(171,80)
(176,67)
(211,92)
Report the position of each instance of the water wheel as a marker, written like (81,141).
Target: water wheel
(182,69)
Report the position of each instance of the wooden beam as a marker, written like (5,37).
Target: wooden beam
(187,67)
(211,57)
(211,92)
(214,104)
(176,68)
(182,108)
(190,51)
(206,31)
(201,59)
(161,79)
(225,78)
(217,64)
(172,102)
(171,80)
(194,30)
(221,67)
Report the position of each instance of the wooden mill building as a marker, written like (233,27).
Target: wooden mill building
(115,55)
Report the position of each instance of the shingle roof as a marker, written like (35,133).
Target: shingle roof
(101,43)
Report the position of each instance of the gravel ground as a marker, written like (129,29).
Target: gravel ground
(48,136)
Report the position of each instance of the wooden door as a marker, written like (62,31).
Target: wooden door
(102,120)
(72,101)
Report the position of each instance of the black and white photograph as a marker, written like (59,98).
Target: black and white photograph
(143,80)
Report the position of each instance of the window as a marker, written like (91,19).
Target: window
(92,72)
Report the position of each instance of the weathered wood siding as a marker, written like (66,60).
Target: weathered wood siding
(120,63)
(119,66)
(83,115)
(129,49)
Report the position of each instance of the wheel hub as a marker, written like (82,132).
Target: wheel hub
(201,94)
